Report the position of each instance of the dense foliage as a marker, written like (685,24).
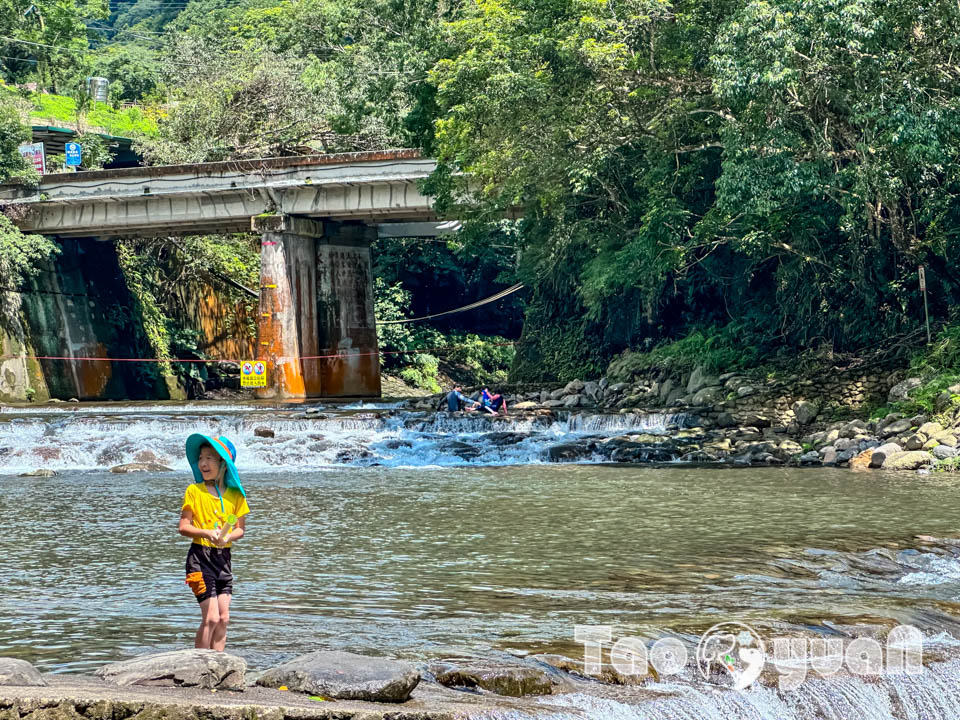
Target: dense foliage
(768,174)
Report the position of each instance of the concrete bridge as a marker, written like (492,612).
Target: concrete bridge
(317,216)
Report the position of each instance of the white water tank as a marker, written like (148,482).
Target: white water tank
(97,88)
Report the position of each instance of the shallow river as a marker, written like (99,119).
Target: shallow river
(432,561)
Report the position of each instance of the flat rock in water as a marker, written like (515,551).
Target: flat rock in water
(40,472)
(345,676)
(19,673)
(140,467)
(206,669)
(510,680)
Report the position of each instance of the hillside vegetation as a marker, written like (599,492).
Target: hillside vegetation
(757,178)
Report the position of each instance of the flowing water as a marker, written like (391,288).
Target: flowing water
(379,534)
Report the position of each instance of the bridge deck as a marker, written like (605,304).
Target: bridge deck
(223,196)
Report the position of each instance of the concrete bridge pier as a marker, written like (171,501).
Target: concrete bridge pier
(316,299)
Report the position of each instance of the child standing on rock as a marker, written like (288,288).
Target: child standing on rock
(213,515)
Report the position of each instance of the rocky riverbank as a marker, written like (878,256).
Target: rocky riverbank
(732,418)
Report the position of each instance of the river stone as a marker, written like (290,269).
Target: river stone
(805,412)
(895,428)
(700,378)
(901,391)
(946,438)
(608,673)
(862,461)
(846,456)
(567,451)
(829,455)
(592,390)
(889,418)
(907,460)
(526,405)
(810,458)
(573,387)
(264,432)
(881,453)
(502,679)
(725,420)
(853,428)
(206,669)
(788,449)
(558,393)
(930,429)
(666,387)
(40,472)
(914,442)
(943,452)
(345,676)
(140,467)
(571,401)
(19,672)
(745,391)
(846,443)
(707,395)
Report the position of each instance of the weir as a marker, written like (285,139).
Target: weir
(317,216)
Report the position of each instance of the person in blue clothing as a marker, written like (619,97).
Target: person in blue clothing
(456,400)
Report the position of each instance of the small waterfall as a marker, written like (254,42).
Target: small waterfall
(97,438)
(932,695)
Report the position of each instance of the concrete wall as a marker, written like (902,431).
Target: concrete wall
(78,306)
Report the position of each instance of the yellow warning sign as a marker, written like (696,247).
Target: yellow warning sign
(253,374)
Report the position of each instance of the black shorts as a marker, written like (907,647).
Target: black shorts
(208,571)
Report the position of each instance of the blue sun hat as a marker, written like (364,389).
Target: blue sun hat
(225,450)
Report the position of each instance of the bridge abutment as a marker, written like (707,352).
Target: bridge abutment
(316,327)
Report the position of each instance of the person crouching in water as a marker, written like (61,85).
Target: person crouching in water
(214,516)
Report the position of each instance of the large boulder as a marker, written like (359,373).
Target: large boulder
(805,412)
(574,387)
(206,669)
(592,390)
(345,676)
(910,460)
(788,449)
(862,461)
(946,438)
(502,679)
(700,378)
(880,454)
(901,391)
(853,428)
(20,673)
(897,427)
(707,396)
(571,400)
(915,441)
(930,429)
(944,452)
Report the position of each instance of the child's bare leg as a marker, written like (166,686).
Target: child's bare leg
(220,631)
(210,619)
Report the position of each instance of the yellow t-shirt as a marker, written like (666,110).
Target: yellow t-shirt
(207,514)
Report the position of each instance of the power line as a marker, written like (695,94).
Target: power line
(471,306)
(29,60)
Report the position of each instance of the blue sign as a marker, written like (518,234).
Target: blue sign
(74,154)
